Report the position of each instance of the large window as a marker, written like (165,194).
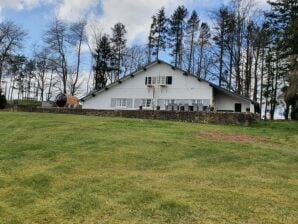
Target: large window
(121,103)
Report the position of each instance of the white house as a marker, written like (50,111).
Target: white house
(160,86)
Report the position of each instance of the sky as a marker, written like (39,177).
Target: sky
(35,15)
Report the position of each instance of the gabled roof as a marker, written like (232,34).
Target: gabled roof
(145,67)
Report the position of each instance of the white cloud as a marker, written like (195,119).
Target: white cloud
(22,4)
(135,15)
(71,10)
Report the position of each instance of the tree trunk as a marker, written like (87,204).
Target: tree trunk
(262,82)
(77,70)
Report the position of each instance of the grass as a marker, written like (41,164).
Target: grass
(79,169)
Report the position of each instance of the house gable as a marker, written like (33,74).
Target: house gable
(134,87)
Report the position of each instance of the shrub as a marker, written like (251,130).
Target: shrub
(294,114)
(3,102)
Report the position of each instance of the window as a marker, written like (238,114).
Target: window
(153,80)
(169,80)
(147,103)
(158,79)
(149,80)
(238,107)
(121,103)
(143,103)
(162,80)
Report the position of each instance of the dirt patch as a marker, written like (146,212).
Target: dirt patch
(239,138)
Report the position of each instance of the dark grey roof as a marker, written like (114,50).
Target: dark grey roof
(94,93)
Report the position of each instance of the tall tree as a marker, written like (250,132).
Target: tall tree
(230,42)
(150,44)
(16,69)
(56,40)
(42,64)
(77,37)
(192,28)
(242,12)
(119,45)
(103,56)
(176,33)
(222,25)
(203,42)
(249,54)
(11,40)
(29,73)
(159,34)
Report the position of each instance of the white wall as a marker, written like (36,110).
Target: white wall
(183,87)
(224,101)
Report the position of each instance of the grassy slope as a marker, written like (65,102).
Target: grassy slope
(77,169)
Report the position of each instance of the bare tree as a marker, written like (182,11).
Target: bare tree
(77,38)
(42,68)
(135,57)
(11,39)
(56,40)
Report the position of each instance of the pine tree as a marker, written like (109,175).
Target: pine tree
(230,42)
(248,64)
(176,33)
(159,32)
(192,30)
(119,45)
(220,37)
(203,41)
(150,44)
(103,58)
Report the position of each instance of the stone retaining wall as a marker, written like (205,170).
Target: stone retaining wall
(195,117)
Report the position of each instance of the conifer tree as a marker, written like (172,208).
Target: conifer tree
(119,45)
(220,38)
(192,30)
(203,41)
(103,56)
(150,44)
(176,34)
(159,32)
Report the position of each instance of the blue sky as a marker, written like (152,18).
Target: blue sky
(35,15)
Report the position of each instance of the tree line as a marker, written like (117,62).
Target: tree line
(244,50)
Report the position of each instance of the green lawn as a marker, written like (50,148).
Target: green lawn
(79,169)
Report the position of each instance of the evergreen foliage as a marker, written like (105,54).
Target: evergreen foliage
(176,34)
(192,28)
(159,33)
(118,41)
(103,57)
